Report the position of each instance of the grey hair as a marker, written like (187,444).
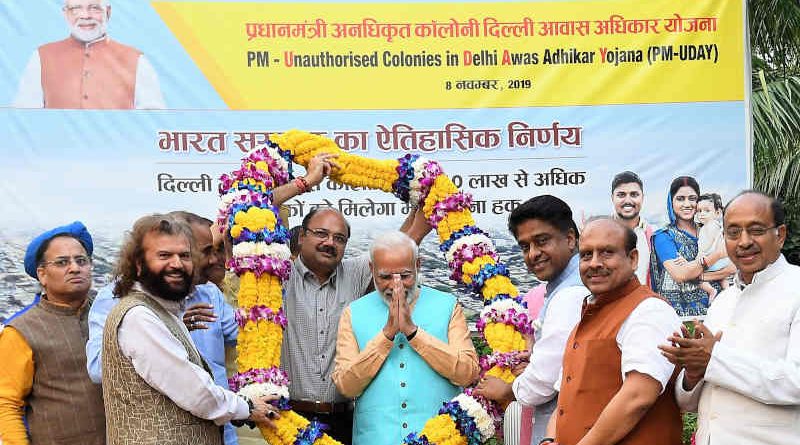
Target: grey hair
(391,240)
(103,3)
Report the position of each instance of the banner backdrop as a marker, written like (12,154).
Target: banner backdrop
(514,99)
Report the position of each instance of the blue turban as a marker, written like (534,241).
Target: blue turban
(76,229)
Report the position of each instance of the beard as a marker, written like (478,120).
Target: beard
(157,284)
(86,36)
(627,217)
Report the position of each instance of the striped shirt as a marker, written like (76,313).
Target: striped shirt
(313,310)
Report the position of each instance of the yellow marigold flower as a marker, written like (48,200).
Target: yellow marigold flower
(255,219)
(503,374)
(259,345)
(442,430)
(248,290)
(498,284)
(502,337)
(269,291)
(473,267)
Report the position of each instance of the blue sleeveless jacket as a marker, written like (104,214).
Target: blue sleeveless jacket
(406,392)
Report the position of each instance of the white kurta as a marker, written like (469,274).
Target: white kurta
(751,391)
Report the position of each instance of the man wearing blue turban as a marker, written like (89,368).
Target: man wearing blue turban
(43,350)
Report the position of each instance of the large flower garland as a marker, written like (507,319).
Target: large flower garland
(261,260)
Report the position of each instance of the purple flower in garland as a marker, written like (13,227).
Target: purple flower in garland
(246,172)
(308,435)
(273,375)
(405,174)
(491,407)
(414,439)
(453,203)
(519,299)
(279,235)
(261,264)
(464,422)
(467,230)
(465,254)
(501,359)
(521,322)
(486,272)
(274,168)
(261,312)
(286,155)
(282,403)
(429,173)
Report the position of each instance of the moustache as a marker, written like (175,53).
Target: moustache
(330,250)
(598,272)
(87,22)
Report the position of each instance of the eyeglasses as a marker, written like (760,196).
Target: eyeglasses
(733,233)
(94,8)
(64,261)
(322,235)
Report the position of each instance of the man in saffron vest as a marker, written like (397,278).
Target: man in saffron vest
(403,349)
(615,386)
(157,388)
(44,364)
(88,69)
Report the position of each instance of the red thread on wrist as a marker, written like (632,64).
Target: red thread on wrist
(301,184)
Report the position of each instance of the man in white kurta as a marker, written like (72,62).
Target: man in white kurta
(742,368)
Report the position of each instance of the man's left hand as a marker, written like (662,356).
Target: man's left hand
(197,315)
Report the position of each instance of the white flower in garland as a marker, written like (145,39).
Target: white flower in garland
(482,418)
(414,185)
(249,248)
(502,306)
(473,240)
(256,390)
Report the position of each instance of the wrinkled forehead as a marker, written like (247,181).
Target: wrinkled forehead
(70,3)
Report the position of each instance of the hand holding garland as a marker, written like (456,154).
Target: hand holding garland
(319,167)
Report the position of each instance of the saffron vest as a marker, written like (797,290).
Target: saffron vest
(64,406)
(101,75)
(137,413)
(593,375)
(406,392)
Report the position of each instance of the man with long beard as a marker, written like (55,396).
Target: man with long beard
(403,349)
(156,386)
(88,69)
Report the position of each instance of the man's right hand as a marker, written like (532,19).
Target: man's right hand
(197,315)
(319,167)
(263,412)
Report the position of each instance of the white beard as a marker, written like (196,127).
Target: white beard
(411,293)
(90,35)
